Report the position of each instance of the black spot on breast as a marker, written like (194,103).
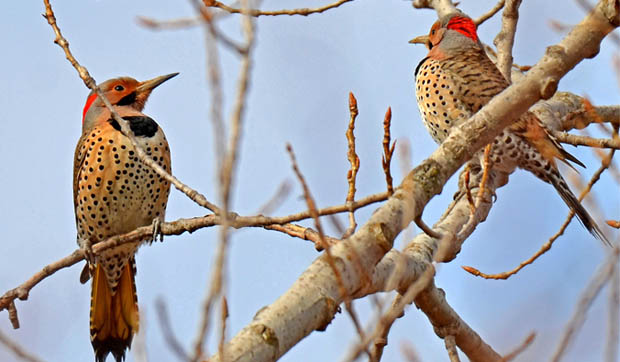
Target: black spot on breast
(141,126)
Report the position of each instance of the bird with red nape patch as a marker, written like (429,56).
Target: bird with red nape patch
(115,193)
(456,79)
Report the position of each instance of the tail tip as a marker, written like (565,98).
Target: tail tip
(116,346)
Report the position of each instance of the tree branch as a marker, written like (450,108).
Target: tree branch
(256,13)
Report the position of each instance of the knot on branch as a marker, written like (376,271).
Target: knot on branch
(612,12)
(332,309)
(548,88)
(383,236)
(267,334)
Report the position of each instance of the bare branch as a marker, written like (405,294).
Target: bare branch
(450,344)
(517,351)
(505,39)
(446,322)
(166,328)
(255,12)
(388,150)
(443,7)
(344,295)
(577,140)
(304,233)
(601,277)
(226,176)
(181,23)
(277,199)
(354,161)
(486,16)
(17,350)
(486,168)
(613,321)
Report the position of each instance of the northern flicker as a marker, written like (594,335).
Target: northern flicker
(115,193)
(456,79)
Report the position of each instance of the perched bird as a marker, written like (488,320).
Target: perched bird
(115,193)
(456,79)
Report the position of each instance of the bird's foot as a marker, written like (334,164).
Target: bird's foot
(157,230)
(87,249)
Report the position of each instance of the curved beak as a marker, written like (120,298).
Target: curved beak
(422,39)
(150,84)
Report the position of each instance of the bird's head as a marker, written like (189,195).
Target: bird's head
(455,30)
(122,91)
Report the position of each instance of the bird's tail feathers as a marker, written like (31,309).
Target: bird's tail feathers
(573,203)
(114,315)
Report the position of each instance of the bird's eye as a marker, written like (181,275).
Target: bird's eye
(433,32)
(119,88)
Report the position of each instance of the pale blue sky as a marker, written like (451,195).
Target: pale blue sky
(304,68)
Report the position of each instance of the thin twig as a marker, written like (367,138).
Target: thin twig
(577,140)
(613,321)
(18,350)
(522,347)
(601,277)
(255,12)
(388,150)
(489,14)
(304,233)
(166,328)
(505,39)
(450,344)
(329,258)
(486,168)
(226,176)
(354,161)
(223,319)
(180,23)
(470,199)
(277,199)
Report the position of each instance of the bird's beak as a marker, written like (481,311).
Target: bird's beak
(422,39)
(150,84)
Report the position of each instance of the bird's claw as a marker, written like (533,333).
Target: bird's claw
(87,249)
(157,230)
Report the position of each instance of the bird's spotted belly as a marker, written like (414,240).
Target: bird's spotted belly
(117,193)
(437,100)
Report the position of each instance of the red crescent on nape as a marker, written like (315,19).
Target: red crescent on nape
(463,25)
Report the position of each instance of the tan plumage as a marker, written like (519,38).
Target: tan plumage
(115,193)
(457,79)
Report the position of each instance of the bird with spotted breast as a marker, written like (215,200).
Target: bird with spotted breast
(115,193)
(456,79)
